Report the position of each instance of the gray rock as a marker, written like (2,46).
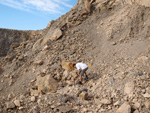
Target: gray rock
(106,101)
(10,105)
(64,108)
(111,80)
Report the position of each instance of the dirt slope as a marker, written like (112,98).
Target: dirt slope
(111,36)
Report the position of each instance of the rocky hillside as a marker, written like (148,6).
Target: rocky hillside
(111,36)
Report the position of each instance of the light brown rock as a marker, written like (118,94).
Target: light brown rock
(69,83)
(129,88)
(147,104)
(124,108)
(17,103)
(56,34)
(46,84)
(136,105)
(146,95)
(106,101)
(67,66)
(33,98)
(34,92)
(136,111)
(64,109)
(65,75)
(117,103)
(11,95)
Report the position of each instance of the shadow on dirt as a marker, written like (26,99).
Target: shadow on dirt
(93,76)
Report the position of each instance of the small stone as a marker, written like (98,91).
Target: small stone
(146,95)
(2,81)
(84,95)
(84,110)
(17,103)
(111,80)
(33,98)
(136,105)
(39,62)
(129,88)
(117,103)
(147,104)
(97,101)
(136,111)
(10,105)
(72,52)
(148,90)
(1,89)
(113,43)
(53,106)
(6,76)
(11,95)
(64,108)
(39,101)
(20,108)
(34,92)
(46,47)
(10,82)
(106,101)
(69,83)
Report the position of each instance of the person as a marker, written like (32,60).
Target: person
(82,68)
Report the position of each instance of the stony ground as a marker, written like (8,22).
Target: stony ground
(114,40)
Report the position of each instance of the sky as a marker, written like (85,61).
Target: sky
(32,14)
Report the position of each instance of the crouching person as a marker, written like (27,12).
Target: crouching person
(82,68)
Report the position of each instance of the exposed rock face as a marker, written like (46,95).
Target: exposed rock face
(11,39)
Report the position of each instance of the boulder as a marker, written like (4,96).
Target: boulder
(56,34)
(124,108)
(67,66)
(46,84)
(53,34)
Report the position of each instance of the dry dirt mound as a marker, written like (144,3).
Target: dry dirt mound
(113,37)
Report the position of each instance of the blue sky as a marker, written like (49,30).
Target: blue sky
(32,14)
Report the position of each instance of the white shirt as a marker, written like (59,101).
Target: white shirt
(81,66)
